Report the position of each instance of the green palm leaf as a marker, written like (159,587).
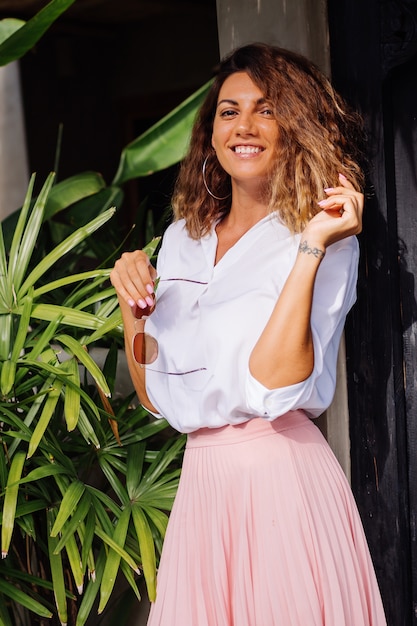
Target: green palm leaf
(43,340)
(59,372)
(135,459)
(82,355)
(5,335)
(17,239)
(112,323)
(69,280)
(74,559)
(19,261)
(80,511)
(87,430)
(22,331)
(22,598)
(130,577)
(3,270)
(32,413)
(151,247)
(8,370)
(168,453)
(57,572)
(113,558)
(46,415)
(91,591)
(72,399)
(68,316)
(43,472)
(157,517)
(3,469)
(70,500)
(147,549)
(114,544)
(113,479)
(86,533)
(8,373)
(10,501)
(59,251)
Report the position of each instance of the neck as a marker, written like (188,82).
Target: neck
(247,208)
(241,219)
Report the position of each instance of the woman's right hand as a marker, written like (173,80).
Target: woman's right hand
(133,279)
(341,216)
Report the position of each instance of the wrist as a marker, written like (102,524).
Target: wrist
(307,248)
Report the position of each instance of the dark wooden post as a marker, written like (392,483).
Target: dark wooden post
(374,64)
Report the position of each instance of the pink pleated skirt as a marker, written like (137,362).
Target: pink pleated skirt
(265,532)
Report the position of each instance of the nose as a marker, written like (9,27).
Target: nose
(245,124)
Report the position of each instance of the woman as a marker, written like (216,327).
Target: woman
(255,278)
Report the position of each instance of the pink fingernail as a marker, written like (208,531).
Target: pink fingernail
(327,189)
(149,300)
(322,202)
(149,289)
(142,304)
(131,302)
(342,176)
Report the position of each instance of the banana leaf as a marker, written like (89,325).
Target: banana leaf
(162,145)
(71,190)
(8,26)
(83,196)
(20,38)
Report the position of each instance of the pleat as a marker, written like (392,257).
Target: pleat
(265,532)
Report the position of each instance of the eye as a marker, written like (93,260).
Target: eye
(267,112)
(228,113)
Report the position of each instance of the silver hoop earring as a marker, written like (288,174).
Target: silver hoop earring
(205,183)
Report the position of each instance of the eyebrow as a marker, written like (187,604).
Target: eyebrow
(235,103)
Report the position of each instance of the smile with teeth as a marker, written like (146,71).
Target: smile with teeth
(247,149)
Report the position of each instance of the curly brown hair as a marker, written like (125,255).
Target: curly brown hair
(319,137)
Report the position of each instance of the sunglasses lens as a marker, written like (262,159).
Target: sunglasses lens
(141,313)
(145,348)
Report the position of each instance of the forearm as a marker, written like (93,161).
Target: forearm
(137,373)
(132,277)
(284,353)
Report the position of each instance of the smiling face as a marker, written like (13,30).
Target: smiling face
(245,130)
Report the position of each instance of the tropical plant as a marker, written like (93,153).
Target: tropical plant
(79,198)
(85,483)
(87,478)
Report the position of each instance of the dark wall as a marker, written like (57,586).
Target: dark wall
(374,64)
(103,83)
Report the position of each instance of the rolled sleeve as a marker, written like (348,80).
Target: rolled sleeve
(334,294)
(270,403)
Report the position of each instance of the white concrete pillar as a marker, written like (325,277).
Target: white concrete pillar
(14,174)
(299,25)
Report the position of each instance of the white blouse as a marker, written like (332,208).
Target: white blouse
(208,318)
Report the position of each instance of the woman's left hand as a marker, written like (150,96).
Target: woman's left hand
(341,216)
